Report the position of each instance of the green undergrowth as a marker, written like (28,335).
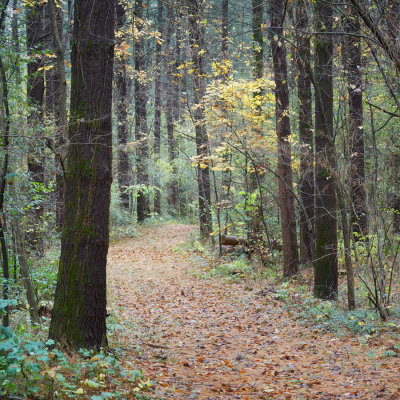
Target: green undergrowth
(332,316)
(232,270)
(234,267)
(32,369)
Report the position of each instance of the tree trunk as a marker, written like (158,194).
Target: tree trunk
(79,313)
(326,263)
(60,105)
(359,213)
(157,105)
(226,156)
(197,49)
(176,64)
(143,204)
(224,28)
(5,127)
(306,186)
(351,298)
(15,38)
(255,215)
(170,112)
(25,274)
(123,100)
(286,197)
(35,85)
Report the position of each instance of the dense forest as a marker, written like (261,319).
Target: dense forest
(251,144)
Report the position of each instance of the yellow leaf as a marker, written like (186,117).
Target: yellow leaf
(46,68)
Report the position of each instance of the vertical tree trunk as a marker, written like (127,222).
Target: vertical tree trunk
(15,37)
(351,298)
(157,102)
(224,28)
(306,185)
(359,216)
(393,23)
(5,127)
(197,49)
(326,263)
(35,85)
(394,179)
(177,63)
(227,174)
(170,112)
(123,99)
(255,216)
(25,274)
(60,104)
(143,204)
(286,198)
(79,313)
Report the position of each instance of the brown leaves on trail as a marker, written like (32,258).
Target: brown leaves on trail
(209,340)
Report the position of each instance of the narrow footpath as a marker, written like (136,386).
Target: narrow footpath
(209,339)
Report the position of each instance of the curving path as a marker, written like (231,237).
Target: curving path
(206,339)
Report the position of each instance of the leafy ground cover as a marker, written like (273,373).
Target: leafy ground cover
(199,336)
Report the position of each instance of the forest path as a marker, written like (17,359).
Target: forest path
(207,339)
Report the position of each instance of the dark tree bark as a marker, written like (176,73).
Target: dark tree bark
(286,197)
(123,100)
(394,179)
(25,274)
(35,85)
(197,48)
(255,215)
(157,102)
(15,37)
(359,216)
(258,40)
(226,156)
(143,204)
(5,121)
(59,44)
(177,62)
(170,112)
(306,185)
(325,263)
(79,313)
(224,29)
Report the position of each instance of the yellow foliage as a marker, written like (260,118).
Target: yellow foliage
(240,114)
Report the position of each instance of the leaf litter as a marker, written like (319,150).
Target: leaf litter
(213,340)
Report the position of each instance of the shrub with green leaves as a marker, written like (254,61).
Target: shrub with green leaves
(38,370)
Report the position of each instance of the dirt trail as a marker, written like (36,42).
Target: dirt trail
(206,339)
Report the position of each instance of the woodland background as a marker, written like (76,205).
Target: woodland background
(270,124)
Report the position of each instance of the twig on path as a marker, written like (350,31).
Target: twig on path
(156,346)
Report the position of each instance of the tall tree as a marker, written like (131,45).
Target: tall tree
(224,28)
(143,204)
(123,99)
(15,36)
(255,215)
(79,313)
(286,197)
(59,45)
(35,86)
(5,120)
(306,186)
(325,263)
(171,108)
(356,121)
(197,48)
(157,101)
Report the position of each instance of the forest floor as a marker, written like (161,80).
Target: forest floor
(209,339)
